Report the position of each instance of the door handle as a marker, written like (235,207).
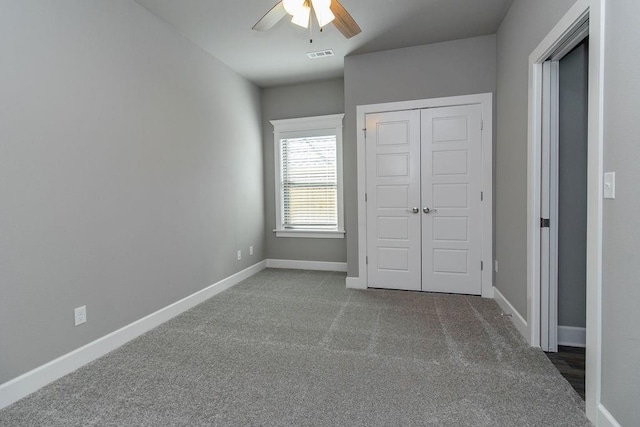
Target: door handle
(429,210)
(414,210)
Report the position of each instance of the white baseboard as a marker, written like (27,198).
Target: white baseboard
(307,265)
(519,321)
(356,283)
(572,336)
(605,419)
(27,383)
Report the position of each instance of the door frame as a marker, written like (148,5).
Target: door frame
(485,100)
(594,10)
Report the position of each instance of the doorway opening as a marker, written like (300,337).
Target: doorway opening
(564,203)
(566,35)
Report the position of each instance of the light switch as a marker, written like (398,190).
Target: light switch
(610,185)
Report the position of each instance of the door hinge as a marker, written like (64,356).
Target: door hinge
(365,197)
(482,196)
(544,223)
(481,124)
(481,265)
(366,260)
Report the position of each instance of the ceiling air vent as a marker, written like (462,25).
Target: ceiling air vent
(320,54)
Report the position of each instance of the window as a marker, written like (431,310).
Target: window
(308,158)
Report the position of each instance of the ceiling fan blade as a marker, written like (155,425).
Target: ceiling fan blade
(344,22)
(271,18)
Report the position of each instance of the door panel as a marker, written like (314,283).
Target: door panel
(449,129)
(450,163)
(393,165)
(450,261)
(430,161)
(450,196)
(450,229)
(393,190)
(451,184)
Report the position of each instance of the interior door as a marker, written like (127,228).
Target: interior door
(393,200)
(451,199)
(549,208)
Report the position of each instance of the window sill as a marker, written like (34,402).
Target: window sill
(312,234)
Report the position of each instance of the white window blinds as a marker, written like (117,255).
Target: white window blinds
(309,182)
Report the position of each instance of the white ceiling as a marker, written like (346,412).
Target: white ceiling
(278,56)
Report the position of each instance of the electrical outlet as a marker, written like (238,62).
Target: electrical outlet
(495,265)
(250,250)
(239,255)
(80,315)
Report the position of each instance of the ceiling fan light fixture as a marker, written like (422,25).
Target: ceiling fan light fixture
(322,8)
(293,7)
(302,16)
(326,11)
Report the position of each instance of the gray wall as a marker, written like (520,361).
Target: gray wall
(130,173)
(288,102)
(621,275)
(572,203)
(460,67)
(521,31)
(523,28)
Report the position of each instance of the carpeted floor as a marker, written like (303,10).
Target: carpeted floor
(297,348)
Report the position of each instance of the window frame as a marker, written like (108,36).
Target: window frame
(301,127)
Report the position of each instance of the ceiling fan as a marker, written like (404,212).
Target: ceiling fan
(325,11)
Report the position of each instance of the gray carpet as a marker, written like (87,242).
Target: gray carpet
(297,348)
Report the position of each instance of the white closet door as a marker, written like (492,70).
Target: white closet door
(393,197)
(451,204)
